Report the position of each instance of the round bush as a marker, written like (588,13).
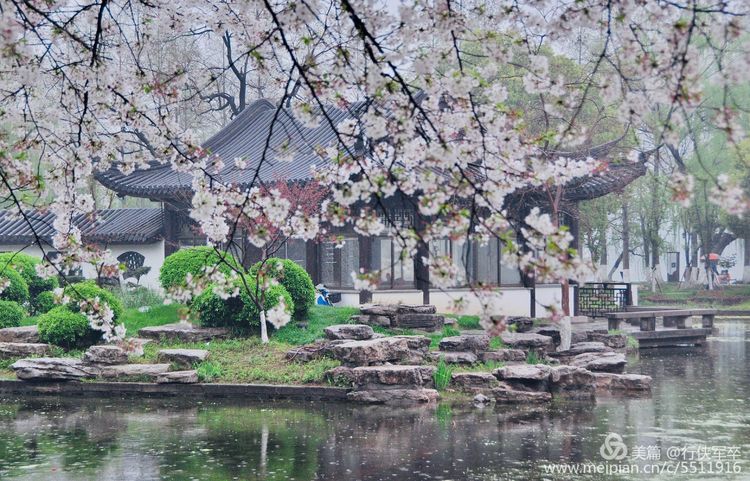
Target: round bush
(65,328)
(294,279)
(239,312)
(11,314)
(191,260)
(89,291)
(43,302)
(25,265)
(17,290)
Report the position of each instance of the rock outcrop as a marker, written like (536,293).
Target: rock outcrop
(183,332)
(525,377)
(613,362)
(105,355)
(22,349)
(393,384)
(474,381)
(403,316)
(528,341)
(20,334)
(120,371)
(183,358)
(372,351)
(572,382)
(622,382)
(53,369)
(177,377)
(354,332)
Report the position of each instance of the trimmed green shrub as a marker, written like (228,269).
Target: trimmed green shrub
(68,329)
(88,290)
(294,279)
(193,259)
(25,265)
(17,290)
(43,302)
(239,312)
(11,314)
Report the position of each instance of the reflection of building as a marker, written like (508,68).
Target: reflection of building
(262,128)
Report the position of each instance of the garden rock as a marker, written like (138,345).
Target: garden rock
(21,349)
(372,351)
(133,370)
(572,383)
(473,381)
(357,332)
(528,341)
(53,369)
(622,382)
(105,355)
(589,346)
(466,358)
(426,322)
(184,358)
(525,377)
(372,320)
(615,341)
(177,377)
(550,331)
(20,334)
(184,332)
(471,343)
(503,355)
(394,396)
(601,361)
(340,376)
(392,377)
(506,395)
(481,400)
(523,324)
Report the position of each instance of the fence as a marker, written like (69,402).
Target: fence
(601,298)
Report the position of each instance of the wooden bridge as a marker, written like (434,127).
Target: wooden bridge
(676,327)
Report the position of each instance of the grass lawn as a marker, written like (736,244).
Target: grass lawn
(734,297)
(158,315)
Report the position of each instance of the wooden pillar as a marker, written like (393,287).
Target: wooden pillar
(171,229)
(312,261)
(365,264)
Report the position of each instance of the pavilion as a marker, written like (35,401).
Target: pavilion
(262,125)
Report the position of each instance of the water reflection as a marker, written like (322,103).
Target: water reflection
(700,397)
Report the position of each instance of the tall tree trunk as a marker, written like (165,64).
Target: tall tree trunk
(625,243)
(746,263)
(603,260)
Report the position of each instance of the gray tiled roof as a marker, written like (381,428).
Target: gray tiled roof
(246,136)
(111,226)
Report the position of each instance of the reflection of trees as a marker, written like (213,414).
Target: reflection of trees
(251,443)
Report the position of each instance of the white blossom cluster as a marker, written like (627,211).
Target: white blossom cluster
(433,84)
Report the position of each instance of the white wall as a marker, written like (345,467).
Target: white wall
(514,301)
(153,252)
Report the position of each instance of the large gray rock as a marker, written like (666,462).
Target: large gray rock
(622,382)
(150,371)
(572,383)
(419,348)
(528,341)
(53,369)
(379,310)
(20,334)
(589,346)
(23,349)
(425,322)
(503,355)
(372,320)
(183,332)
(525,377)
(394,396)
(507,395)
(105,355)
(522,323)
(340,376)
(473,343)
(356,332)
(177,377)
(615,341)
(450,357)
(550,331)
(392,377)
(473,381)
(601,361)
(372,351)
(183,358)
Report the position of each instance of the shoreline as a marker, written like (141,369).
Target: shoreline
(198,390)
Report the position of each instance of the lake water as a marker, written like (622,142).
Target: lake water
(697,422)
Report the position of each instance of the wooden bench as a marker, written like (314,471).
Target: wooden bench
(676,318)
